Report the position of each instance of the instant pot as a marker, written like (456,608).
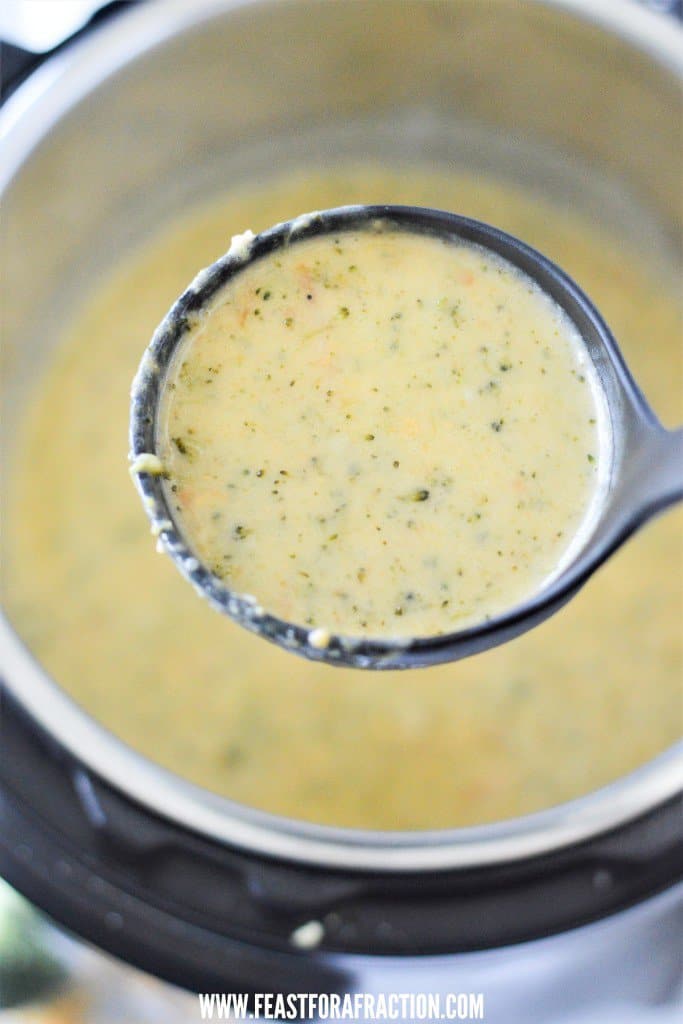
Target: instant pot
(573,906)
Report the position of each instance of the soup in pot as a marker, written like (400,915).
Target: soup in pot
(586,697)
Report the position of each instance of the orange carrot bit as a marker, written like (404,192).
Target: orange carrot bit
(189,498)
(185,497)
(305,276)
(410,427)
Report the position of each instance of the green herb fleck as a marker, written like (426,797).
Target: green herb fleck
(180,445)
(234,755)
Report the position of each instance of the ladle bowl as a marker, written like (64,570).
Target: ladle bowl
(641,462)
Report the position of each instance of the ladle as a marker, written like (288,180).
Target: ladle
(643,476)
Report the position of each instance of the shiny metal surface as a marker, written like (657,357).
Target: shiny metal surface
(161,105)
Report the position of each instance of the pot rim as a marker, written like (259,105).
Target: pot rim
(29,115)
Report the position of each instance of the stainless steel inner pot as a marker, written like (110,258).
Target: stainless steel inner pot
(581,100)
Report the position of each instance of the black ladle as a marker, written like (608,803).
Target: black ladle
(644,470)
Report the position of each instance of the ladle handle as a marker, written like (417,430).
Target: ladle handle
(665,471)
(653,474)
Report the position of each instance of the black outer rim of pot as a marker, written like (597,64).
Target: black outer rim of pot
(211,917)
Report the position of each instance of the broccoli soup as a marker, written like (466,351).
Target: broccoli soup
(381,432)
(586,697)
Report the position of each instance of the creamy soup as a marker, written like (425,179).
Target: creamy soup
(591,694)
(381,432)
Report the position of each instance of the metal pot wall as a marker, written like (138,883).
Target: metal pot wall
(115,134)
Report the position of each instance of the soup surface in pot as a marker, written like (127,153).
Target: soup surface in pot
(591,694)
(381,433)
